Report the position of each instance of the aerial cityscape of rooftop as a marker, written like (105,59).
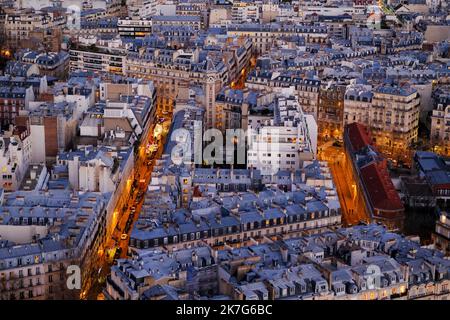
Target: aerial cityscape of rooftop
(224,150)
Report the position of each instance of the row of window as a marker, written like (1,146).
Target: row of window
(232,230)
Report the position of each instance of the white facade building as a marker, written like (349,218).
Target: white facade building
(284,142)
(15,156)
(242,12)
(142,8)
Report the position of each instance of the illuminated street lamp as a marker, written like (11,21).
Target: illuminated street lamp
(5,53)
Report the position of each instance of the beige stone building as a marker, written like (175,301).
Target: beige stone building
(395,120)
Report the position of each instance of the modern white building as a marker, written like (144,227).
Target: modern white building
(15,156)
(283,142)
(98,56)
(135,28)
(243,12)
(142,8)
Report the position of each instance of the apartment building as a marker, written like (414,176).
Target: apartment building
(330,115)
(195,22)
(21,25)
(358,104)
(197,275)
(263,36)
(283,142)
(229,105)
(102,56)
(306,90)
(244,221)
(194,8)
(440,128)
(365,262)
(16,93)
(392,115)
(12,102)
(54,64)
(181,69)
(175,70)
(102,26)
(225,180)
(134,28)
(15,156)
(43,233)
(245,12)
(395,120)
(142,8)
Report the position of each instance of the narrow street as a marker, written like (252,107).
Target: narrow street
(129,204)
(353,210)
